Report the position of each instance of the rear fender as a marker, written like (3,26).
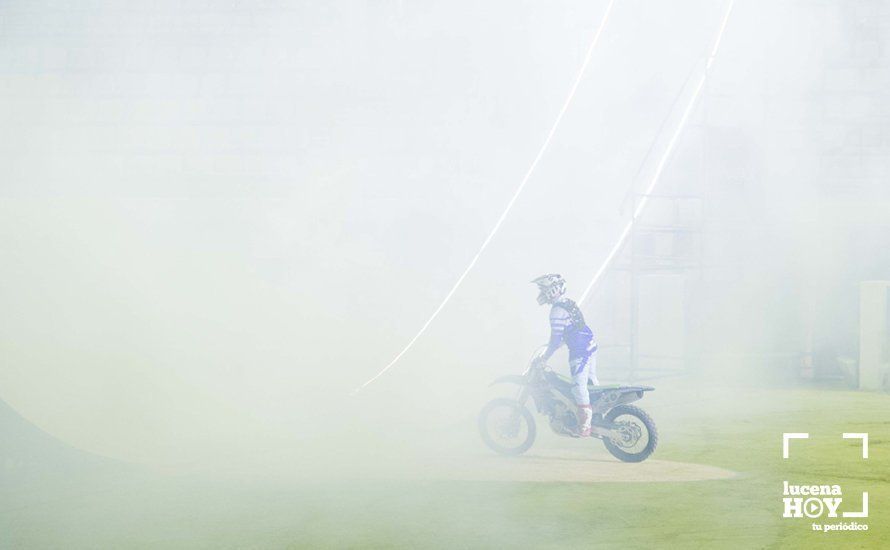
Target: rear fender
(602,401)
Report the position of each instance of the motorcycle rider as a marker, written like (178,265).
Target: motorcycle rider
(567,327)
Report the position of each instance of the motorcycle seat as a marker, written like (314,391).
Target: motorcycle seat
(612,387)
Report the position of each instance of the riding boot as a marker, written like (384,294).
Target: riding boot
(585,415)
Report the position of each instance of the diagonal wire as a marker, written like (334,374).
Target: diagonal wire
(661,164)
(528,174)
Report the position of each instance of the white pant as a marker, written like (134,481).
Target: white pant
(582,370)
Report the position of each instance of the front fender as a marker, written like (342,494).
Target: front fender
(510,379)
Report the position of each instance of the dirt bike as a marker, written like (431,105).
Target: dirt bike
(508,428)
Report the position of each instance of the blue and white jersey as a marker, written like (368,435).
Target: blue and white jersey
(567,326)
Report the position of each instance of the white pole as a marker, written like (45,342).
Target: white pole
(510,204)
(638,211)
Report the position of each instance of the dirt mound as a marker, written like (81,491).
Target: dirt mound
(551,465)
(561,467)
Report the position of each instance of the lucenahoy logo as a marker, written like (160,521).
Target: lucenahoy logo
(817,501)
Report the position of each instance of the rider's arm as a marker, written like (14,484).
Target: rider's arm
(559,320)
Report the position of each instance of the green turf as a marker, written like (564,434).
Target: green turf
(744,512)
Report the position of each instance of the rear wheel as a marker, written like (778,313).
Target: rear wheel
(634,435)
(507,427)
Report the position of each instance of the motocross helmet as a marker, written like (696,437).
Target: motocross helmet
(551,287)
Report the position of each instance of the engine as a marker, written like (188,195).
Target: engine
(562,419)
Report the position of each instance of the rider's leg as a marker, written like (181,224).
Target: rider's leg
(591,369)
(579,367)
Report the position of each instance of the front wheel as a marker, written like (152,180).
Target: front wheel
(634,435)
(507,427)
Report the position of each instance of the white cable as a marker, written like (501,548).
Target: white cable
(516,194)
(661,164)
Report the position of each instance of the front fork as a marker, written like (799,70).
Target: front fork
(523,395)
